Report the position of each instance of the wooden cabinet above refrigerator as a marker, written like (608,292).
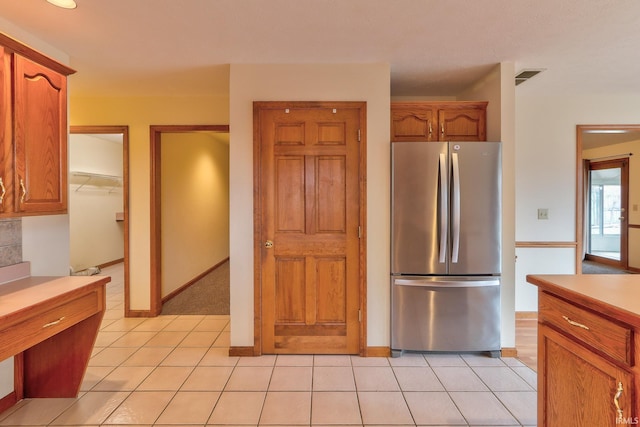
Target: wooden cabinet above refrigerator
(33,131)
(439,121)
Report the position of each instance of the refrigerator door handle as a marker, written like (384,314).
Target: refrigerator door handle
(444,190)
(455,208)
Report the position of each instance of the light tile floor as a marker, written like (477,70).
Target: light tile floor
(175,371)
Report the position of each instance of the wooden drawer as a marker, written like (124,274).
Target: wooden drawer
(610,338)
(43,325)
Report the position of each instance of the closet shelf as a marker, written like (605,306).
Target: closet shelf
(95,179)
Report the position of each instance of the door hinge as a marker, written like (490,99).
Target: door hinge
(359,232)
(359,315)
(358,135)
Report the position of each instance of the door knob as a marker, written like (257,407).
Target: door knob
(268,244)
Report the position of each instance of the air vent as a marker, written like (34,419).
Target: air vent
(525,75)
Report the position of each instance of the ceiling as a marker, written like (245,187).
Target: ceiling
(434,47)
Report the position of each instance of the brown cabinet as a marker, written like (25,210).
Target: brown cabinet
(587,357)
(33,132)
(439,121)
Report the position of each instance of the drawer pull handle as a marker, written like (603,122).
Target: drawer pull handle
(574,323)
(616,401)
(3,191)
(23,191)
(55,322)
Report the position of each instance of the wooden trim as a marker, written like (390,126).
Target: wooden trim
(546,244)
(257,234)
(235,351)
(449,105)
(509,352)
(363,224)
(526,315)
(634,226)
(192,281)
(381,351)
(257,203)
(34,55)
(110,263)
(124,130)
(139,313)
(155,138)
(8,401)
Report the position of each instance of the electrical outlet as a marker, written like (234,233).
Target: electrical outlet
(543,213)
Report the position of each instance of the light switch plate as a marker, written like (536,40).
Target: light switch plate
(543,213)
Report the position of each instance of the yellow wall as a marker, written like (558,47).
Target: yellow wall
(139,114)
(195,205)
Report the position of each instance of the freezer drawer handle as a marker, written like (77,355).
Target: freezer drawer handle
(446,283)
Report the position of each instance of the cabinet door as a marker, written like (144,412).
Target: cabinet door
(578,387)
(40,137)
(417,123)
(462,124)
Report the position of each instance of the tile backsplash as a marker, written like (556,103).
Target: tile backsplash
(10,241)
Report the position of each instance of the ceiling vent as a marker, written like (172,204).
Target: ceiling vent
(525,75)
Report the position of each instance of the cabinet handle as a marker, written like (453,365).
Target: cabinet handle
(55,322)
(23,190)
(430,130)
(616,401)
(442,128)
(4,191)
(574,323)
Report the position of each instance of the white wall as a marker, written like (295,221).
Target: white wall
(195,206)
(309,82)
(95,235)
(546,171)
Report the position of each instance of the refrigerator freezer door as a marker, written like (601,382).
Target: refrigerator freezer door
(476,208)
(445,314)
(417,192)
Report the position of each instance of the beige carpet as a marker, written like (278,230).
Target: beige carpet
(209,295)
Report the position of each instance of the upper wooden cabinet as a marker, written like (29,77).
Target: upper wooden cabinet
(33,132)
(439,121)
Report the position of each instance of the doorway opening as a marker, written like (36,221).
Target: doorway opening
(607,228)
(607,192)
(185,246)
(99,200)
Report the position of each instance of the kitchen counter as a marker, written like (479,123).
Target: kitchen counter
(50,325)
(616,295)
(588,349)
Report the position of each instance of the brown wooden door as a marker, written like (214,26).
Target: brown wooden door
(40,138)
(308,226)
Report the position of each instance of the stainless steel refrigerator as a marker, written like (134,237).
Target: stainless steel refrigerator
(446,246)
